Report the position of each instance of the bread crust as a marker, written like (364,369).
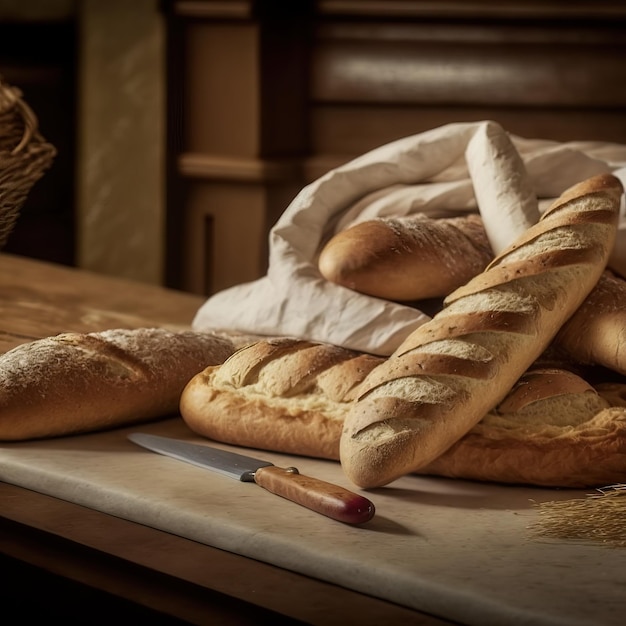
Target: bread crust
(407,258)
(413,415)
(596,333)
(589,455)
(77,382)
(292,396)
(552,430)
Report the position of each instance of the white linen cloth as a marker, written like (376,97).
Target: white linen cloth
(457,168)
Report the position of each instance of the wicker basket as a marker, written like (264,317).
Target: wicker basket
(24,156)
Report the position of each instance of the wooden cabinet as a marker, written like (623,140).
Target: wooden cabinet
(265,97)
(237,136)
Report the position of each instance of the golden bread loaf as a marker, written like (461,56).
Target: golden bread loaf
(407,258)
(282,394)
(596,333)
(75,382)
(453,370)
(415,258)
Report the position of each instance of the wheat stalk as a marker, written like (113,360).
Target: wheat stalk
(600,517)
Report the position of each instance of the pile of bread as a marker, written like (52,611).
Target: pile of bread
(517,378)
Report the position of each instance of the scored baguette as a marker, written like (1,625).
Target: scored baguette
(407,258)
(292,396)
(454,369)
(75,382)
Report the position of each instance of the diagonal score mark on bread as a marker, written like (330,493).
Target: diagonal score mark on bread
(108,359)
(416,411)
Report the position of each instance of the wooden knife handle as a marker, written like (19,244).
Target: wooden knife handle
(319,496)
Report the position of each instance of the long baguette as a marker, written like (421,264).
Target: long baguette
(76,382)
(407,258)
(454,369)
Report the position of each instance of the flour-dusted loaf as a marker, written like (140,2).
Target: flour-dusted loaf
(281,394)
(75,382)
(407,258)
(453,370)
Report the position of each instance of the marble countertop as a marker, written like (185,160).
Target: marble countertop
(458,550)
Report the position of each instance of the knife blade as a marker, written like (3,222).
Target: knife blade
(320,496)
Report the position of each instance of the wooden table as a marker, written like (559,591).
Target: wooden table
(62,560)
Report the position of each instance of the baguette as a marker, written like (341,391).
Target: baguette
(454,369)
(407,258)
(553,428)
(281,394)
(75,382)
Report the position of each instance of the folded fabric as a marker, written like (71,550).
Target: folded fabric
(453,169)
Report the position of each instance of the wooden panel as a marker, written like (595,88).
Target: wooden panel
(472,9)
(238,129)
(221,105)
(347,130)
(226,232)
(447,73)
(434,63)
(378,75)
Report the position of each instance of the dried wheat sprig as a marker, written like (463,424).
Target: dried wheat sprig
(600,517)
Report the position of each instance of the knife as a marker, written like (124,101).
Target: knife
(319,496)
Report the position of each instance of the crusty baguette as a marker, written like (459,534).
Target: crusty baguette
(454,369)
(407,258)
(76,382)
(290,396)
(283,394)
(596,333)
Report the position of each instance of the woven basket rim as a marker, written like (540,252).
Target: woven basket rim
(24,163)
